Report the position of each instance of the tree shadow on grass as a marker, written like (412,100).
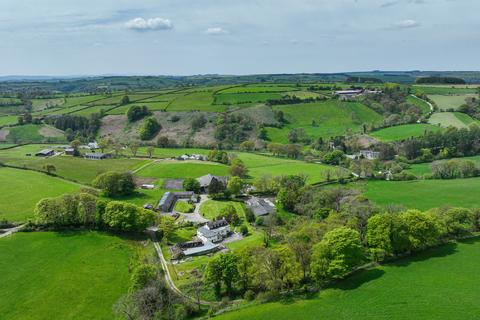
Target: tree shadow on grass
(435,252)
(357,279)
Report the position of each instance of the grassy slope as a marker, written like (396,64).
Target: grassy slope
(63,275)
(428,286)
(445,102)
(419,103)
(425,194)
(332,117)
(454,119)
(404,131)
(30,133)
(20,190)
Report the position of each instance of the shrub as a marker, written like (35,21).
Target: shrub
(259,221)
(249,295)
(149,128)
(135,113)
(244,230)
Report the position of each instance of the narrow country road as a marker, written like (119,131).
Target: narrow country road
(427,102)
(168,277)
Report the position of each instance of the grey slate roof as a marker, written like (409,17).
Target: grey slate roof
(217,224)
(260,207)
(207,247)
(206,180)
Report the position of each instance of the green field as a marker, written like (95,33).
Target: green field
(202,101)
(8,120)
(452,119)
(34,133)
(445,89)
(212,209)
(332,118)
(241,98)
(445,102)
(437,284)
(181,170)
(66,275)
(403,132)
(78,169)
(20,190)
(425,194)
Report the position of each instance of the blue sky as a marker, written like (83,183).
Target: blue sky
(184,37)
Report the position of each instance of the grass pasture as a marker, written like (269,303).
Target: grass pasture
(202,101)
(425,194)
(437,284)
(180,170)
(403,132)
(446,102)
(451,119)
(446,89)
(68,275)
(8,120)
(34,133)
(20,190)
(332,118)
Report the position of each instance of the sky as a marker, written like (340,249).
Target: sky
(188,37)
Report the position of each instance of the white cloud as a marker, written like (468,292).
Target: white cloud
(141,24)
(405,24)
(215,31)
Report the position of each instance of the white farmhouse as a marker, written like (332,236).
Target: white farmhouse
(214,231)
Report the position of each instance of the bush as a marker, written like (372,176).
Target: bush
(135,113)
(191,184)
(141,275)
(259,221)
(149,128)
(244,230)
(249,295)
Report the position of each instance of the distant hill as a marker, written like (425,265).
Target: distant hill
(97,83)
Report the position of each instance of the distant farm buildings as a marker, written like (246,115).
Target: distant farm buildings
(45,153)
(96,156)
(353,93)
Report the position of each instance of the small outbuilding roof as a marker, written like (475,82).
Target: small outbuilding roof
(260,207)
(207,247)
(206,180)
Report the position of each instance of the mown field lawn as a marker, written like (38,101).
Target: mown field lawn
(440,283)
(425,194)
(20,190)
(70,275)
(403,132)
